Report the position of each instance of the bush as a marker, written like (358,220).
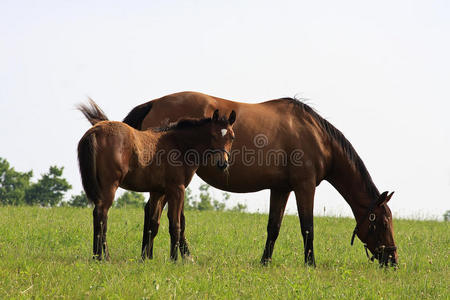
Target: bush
(13,184)
(239,207)
(447,216)
(49,190)
(80,200)
(207,202)
(130,199)
(16,188)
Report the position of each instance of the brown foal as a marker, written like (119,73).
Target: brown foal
(159,160)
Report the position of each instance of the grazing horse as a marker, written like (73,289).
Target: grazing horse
(160,160)
(284,146)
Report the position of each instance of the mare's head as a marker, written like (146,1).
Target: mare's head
(222,136)
(377,232)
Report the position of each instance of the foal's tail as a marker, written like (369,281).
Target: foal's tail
(88,167)
(92,112)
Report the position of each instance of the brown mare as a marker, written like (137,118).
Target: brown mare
(282,132)
(113,154)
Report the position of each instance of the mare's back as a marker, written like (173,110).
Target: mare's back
(174,107)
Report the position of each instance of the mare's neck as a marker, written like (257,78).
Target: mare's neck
(350,181)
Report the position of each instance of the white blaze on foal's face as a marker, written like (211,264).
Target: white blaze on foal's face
(224,131)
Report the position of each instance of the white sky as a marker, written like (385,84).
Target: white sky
(378,70)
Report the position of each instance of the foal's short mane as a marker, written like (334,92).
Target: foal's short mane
(189,123)
(347,148)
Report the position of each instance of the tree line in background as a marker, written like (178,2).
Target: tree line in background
(16,188)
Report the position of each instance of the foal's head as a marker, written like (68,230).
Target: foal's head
(377,232)
(222,136)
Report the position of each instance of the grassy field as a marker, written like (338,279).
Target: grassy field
(47,253)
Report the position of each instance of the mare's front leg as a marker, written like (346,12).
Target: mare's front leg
(153,210)
(304,195)
(175,199)
(278,200)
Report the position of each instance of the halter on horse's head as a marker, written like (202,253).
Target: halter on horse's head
(376,232)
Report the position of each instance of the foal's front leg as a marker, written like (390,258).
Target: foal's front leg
(175,199)
(184,249)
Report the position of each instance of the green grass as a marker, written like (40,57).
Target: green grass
(47,253)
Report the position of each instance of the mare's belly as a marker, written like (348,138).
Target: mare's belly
(244,179)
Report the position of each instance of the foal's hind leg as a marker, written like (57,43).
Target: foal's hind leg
(153,210)
(278,202)
(100,215)
(97,246)
(100,227)
(304,195)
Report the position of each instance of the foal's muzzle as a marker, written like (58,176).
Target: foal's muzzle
(223,165)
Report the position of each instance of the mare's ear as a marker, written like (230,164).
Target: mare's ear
(384,198)
(232,117)
(215,116)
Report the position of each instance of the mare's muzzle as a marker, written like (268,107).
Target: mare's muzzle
(386,256)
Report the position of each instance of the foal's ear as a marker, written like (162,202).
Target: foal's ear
(384,198)
(215,116)
(232,117)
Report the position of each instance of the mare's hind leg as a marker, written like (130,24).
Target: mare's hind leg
(304,195)
(184,249)
(153,210)
(278,200)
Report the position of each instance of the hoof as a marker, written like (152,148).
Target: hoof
(97,257)
(189,259)
(311,264)
(145,257)
(265,261)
